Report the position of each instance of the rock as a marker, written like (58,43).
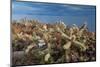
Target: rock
(18,54)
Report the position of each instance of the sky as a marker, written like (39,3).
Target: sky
(54,12)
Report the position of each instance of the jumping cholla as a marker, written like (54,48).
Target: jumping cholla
(49,40)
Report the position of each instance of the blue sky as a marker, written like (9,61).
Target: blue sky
(50,13)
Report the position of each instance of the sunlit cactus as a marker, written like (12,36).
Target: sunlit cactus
(71,38)
(67,45)
(47,56)
(42,43)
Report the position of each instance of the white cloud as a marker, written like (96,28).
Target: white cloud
(72,7)
(23,7)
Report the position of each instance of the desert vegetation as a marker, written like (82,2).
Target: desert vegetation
(35,43)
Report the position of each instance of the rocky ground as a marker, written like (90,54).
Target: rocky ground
(34,43)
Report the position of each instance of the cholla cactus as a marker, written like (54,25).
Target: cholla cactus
(67,45)
(71,39)
(47,56)
(82,29)
(29,48)
(51,43)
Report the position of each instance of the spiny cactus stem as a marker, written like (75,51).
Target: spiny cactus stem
(69,38)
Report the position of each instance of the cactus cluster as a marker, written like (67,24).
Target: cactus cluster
(34,42)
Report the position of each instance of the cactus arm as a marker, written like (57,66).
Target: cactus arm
(69,38)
